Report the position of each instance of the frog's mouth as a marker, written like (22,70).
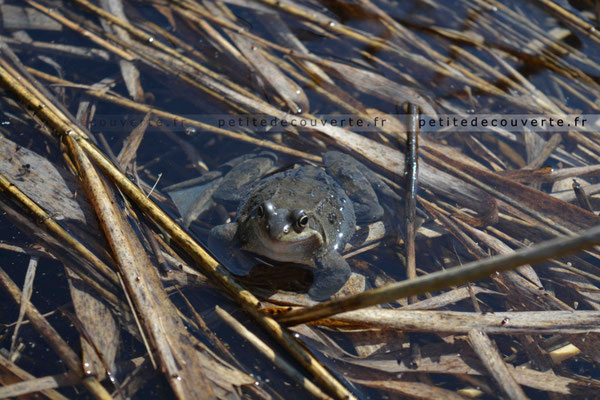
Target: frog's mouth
(292,247)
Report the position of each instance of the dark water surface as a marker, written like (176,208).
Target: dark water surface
(453,58)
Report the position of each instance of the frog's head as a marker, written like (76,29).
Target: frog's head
(282,234)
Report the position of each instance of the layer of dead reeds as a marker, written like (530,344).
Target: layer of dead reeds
(453,308)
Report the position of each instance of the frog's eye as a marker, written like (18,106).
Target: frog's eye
(300,218)
(260,211)
(303,221)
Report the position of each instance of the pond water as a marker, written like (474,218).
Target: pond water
(295,80)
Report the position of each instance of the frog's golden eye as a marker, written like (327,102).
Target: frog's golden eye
(301,218)
(303,221)
(260,211)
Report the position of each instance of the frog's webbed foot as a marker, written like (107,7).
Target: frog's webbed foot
(360,183)
(332,273)
(192,201)
(245,171)
(224,244)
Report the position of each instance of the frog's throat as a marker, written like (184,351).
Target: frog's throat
(298,248)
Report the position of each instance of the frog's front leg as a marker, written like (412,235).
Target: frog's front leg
(224,244)
(332,273)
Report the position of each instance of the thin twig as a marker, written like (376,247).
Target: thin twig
(450,277)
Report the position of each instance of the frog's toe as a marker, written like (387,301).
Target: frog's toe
(333,272)
(191,202)
(367,213)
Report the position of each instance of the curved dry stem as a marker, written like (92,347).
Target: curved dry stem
(450,277)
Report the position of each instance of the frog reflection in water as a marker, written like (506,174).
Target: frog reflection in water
(303,215)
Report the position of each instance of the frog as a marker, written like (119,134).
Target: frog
(303,215)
